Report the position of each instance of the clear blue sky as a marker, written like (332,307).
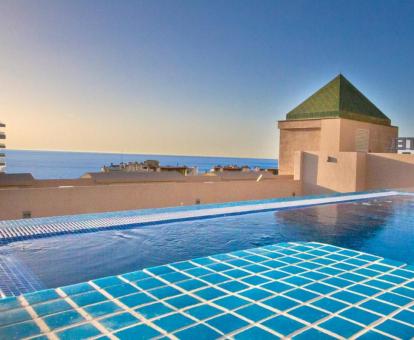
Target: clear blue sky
(191,77)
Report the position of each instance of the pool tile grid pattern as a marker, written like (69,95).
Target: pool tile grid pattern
(16,277)
(18,230)
(294,290)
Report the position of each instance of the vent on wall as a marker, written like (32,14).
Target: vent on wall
(362,140)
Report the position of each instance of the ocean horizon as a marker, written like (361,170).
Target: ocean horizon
(73,164)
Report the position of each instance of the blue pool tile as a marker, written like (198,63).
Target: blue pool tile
(391,278)
(320,288)
(215,278)
(88,298)
(182,301)
(204,261)
(405,316)
(352,277)
(255,280)
(256,268)
(9,303)
(312,334)
(218,267)
(280,302)
(231,302)
(160,270)
(14,316)
(198,271)
(119,321)
(277,286)
(136,299)
(227,323)
(41,296)
(200,332)
(337,282)
(79,332)
(314,276)
(394,299)
(103,308)
(340,326)
(373,335)
(283,325)
(408,274)
(63,319)
(255,312)
(184,265)
(153,310)
(54,306)
(379,307)
(236,273)
(173,322)
(274,264)
(174,277)
(191,284)
(137,332)
(364,290)
(348,297)
(203,312)
(255,294)
(360,315)
(108,281)
(409,293)
(149,283)
(275,274)
(254,333)
(165,292)
(397,329)
(19,330)
(293,269)
(77,288)
(239,262)
(121,290)
(301,295)
(329,304)
(379,284)
(297,281)
(136,276)
(308,314)
(209,293)
(233,286)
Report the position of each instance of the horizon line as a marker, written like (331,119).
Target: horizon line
(132,153)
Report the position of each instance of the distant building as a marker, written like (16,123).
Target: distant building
(2,146)
(336,118)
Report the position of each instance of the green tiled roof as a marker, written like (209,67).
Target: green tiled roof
(339,98)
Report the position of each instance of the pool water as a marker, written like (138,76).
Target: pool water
(383,226)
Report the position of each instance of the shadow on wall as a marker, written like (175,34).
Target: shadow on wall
(389,171)
(310,176)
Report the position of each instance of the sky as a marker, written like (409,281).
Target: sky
(191,77)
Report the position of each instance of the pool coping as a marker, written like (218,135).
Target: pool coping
(19,230)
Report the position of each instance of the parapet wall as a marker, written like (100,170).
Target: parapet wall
(53,201)
(324,172)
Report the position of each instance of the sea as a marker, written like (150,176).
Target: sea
(61,164)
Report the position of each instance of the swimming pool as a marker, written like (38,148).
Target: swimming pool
(382,226)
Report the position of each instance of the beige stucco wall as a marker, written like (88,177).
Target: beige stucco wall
(353,171)
(344,173)
(295,136)
(100,198)
(380,136)
(386,170)
(328,135)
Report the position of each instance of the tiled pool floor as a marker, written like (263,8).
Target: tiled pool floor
(298,290)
